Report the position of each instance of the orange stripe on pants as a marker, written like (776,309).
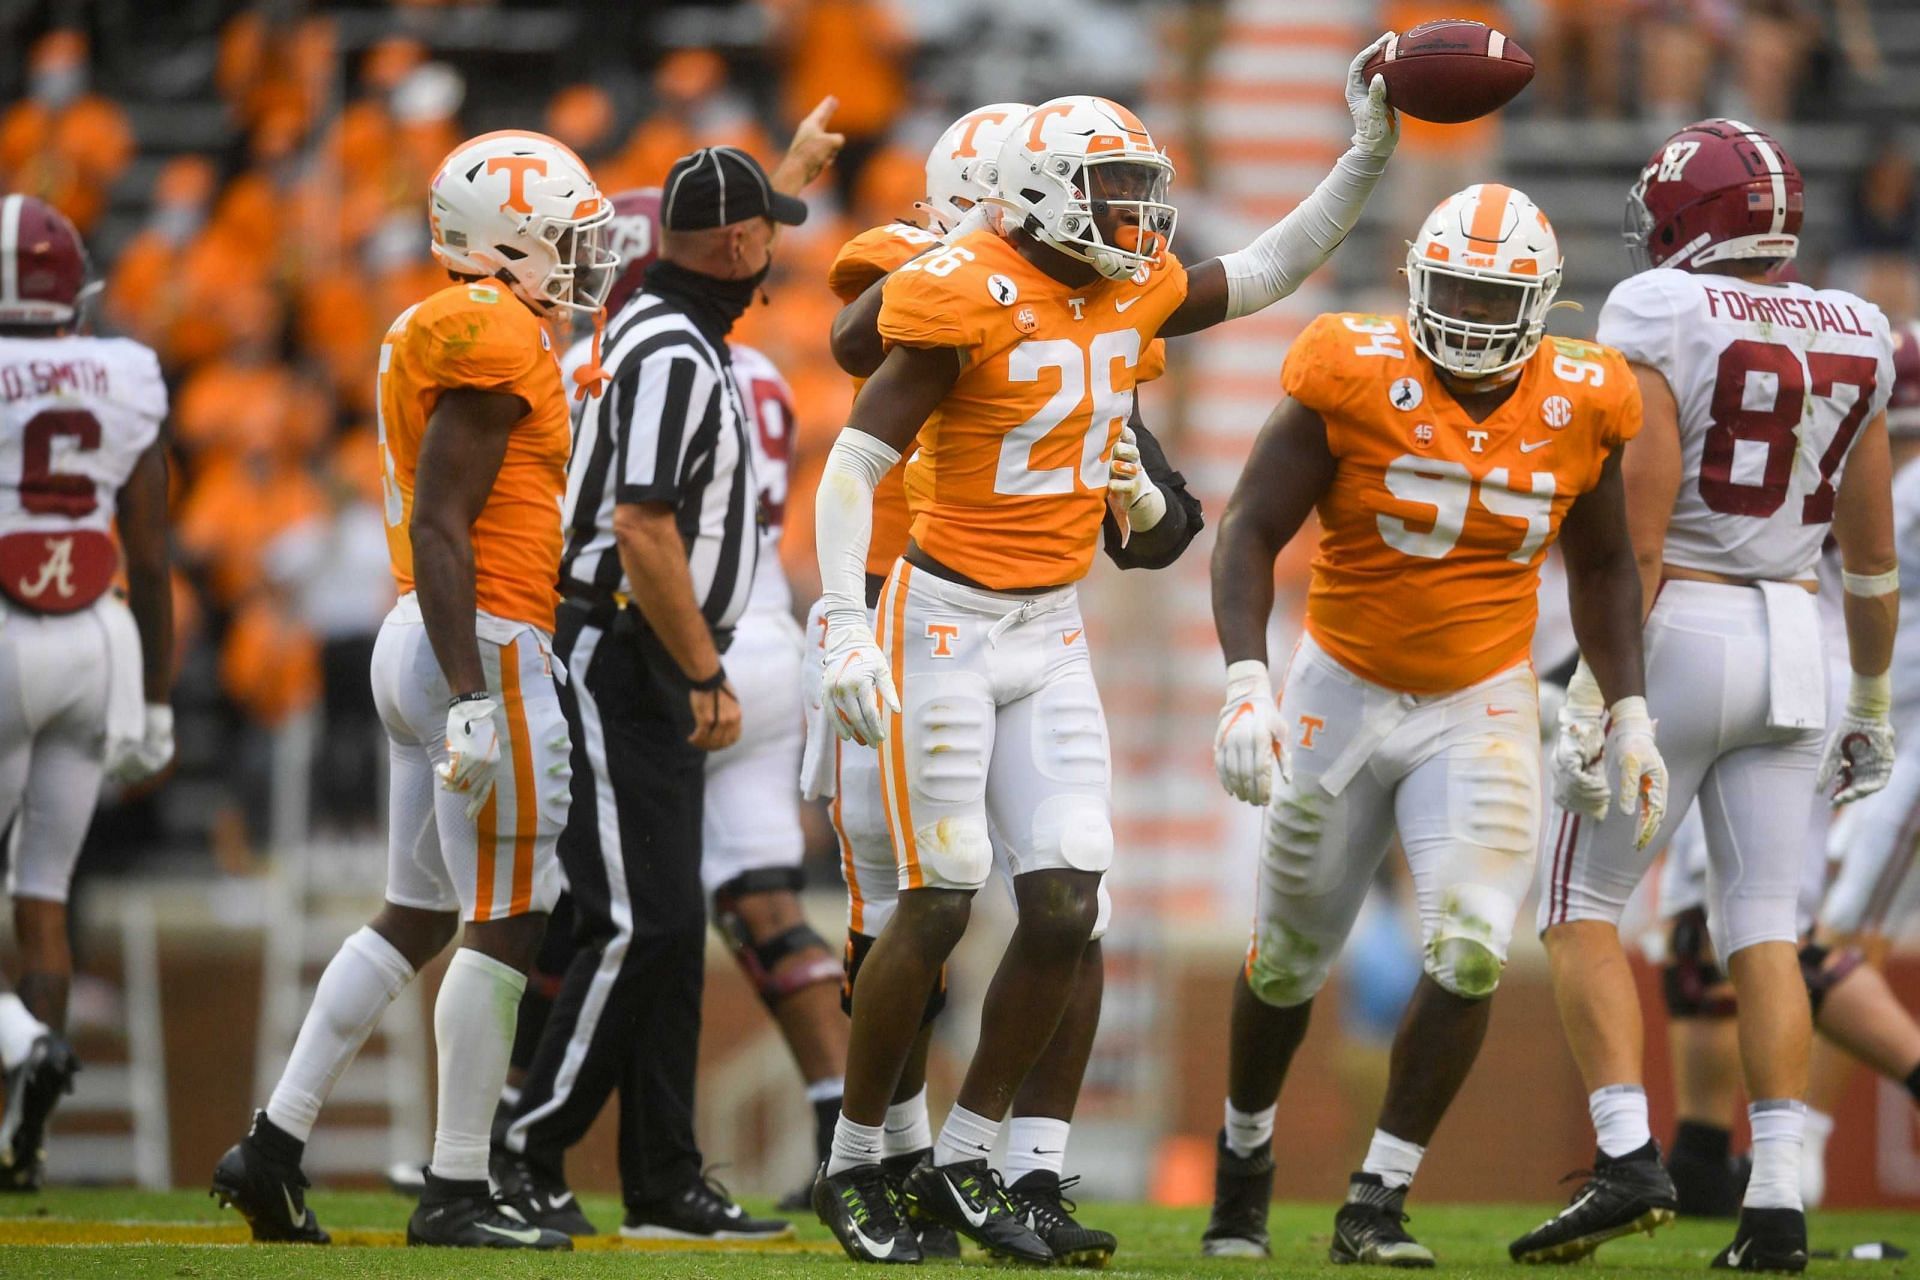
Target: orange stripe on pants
(856,905)
(526,798)
(893,752)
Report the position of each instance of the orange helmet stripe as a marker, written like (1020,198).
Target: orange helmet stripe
(1129,121)
(1489,212)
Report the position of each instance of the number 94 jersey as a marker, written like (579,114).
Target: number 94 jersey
(1773,383)
(1435,525)
(1009,484)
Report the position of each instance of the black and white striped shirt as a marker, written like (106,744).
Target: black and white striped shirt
(668,428)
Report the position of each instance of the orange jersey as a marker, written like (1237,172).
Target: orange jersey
(479,335)
(1009,484)
(1435,525)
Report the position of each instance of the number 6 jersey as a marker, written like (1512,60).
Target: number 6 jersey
(1773,383)
(1434,527)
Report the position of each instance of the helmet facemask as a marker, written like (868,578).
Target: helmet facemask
(583,267)
(1116,216)
(1476,323)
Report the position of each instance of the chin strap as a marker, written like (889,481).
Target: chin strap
(591,378)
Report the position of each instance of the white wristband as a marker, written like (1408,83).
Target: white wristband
(1871,584)
(1870,697)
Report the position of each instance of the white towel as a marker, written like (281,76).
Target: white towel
(1796,658)
(126,685)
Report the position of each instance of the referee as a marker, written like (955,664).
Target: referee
(661,541)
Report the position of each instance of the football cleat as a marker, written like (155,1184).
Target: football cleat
(1766,1240)
(1242,1191)
(937,1241)
(261,1178)
(704,1211)
(1368,1227)
(863,1210)
(1622,1195)
(970,1198)
(33,1087)
(538,1198)
(1038,1200)
(465,1215)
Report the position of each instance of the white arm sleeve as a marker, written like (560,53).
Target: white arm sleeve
(1284,255)
(843,522)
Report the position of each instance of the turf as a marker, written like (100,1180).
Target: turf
(64,1235)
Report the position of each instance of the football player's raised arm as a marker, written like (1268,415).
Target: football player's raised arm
(142,519)
(1863,526)
(1281,258)
(1289,470)
(1603,584)
(855,340)
(460,455)
(1652,471)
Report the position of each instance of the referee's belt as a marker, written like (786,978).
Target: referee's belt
(606,605)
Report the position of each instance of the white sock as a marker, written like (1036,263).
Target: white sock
(822,1090)
(1619,1114)
(965,1136)
(1778,1125)
(855,1144)
(1035,1143)
(18,1030)
(907,1129)
(361,980)
(473,1022)
(1813,1158)
(1391,1159)
(1248,1131)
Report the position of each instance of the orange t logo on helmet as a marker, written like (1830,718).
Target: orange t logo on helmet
(517,168)
(1040,118)
(965,150)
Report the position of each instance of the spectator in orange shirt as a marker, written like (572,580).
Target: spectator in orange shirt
(856,51)
(61,142)
(142,295)
(695,107)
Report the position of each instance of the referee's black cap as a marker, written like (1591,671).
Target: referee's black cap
(719,186)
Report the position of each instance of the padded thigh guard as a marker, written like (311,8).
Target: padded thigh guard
(1049,785)
(1691,983)
(946,746)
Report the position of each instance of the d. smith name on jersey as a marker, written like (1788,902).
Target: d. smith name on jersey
(53,377)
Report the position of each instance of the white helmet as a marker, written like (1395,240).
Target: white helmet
(1074,161)
(522,207)
(965,162)
(1495,237)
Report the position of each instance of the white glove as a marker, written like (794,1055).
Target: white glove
(1643,774)
(1376,131)
(1578,765)
(1859,756)
(473,751)
(132,761)
(1245,749)
(858,683)
(1135,500)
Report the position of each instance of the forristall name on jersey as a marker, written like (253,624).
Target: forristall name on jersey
(1792,313)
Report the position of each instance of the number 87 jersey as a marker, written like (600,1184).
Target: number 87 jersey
(1773,384)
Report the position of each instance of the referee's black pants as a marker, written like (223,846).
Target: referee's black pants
(627,1015)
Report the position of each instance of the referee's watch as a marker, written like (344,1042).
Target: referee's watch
(713,683)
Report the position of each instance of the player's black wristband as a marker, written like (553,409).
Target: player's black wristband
(475,696)
(713,683)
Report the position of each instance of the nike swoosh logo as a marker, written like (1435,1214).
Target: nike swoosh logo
(1122,306)
(1737,1251)
(560,1202)
(873,1250)
(528,1235)
(1037,1151)
(299,1216)
(974,1217)
(1068,637)
(733,1211)
(1500,711)
(1528,446)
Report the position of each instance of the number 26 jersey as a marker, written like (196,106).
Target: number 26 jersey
(1434,526)
(1773,384)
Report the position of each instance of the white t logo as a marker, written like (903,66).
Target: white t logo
(1079,305)
(1478,440)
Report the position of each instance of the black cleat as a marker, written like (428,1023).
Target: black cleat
(465,1215)
(1242,1191)
(1766,1240)
(1621,1196)
(539,1199)
(704,1211)
(937,1240)
(1368,1227)
(863,1209)
(33,1088)
(260,1176)
(1038,1200)
(970,1198)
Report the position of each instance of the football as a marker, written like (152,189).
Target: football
(1451,70)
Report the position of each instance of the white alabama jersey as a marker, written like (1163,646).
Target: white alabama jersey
(1773,383)
(770,407)
(76,413)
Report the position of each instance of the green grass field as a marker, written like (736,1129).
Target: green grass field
(64,1235)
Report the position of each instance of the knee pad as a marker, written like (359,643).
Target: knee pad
(1692,983)
(858,944)
(1071,831)
(946,764)
(1286,968)
(1822,976)
(1467,967)
(761,961)
(1468,948)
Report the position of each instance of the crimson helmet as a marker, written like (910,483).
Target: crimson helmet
(43,264)
(1903,407)
(1715,191)
(634,234)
